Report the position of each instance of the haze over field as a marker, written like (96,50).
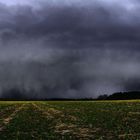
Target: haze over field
(69,48)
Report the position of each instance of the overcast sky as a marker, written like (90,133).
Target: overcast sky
(69,48)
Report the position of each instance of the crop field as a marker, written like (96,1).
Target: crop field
(70,120)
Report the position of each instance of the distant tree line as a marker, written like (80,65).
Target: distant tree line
(18,94)
(121,96)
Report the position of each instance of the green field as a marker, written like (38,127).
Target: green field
(71,120)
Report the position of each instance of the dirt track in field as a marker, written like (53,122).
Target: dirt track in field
(8,119)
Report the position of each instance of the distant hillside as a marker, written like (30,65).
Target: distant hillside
(121,96)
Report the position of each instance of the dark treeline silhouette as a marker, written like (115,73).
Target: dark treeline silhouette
(15,94)
(121,96)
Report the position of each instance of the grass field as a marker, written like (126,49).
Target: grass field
(79,120)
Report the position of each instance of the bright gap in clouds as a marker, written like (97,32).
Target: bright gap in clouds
(16,2)
(128,4)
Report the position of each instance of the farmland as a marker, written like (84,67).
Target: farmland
(70,120)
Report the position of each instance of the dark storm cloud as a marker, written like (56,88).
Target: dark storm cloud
(71,23)
(70,49)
